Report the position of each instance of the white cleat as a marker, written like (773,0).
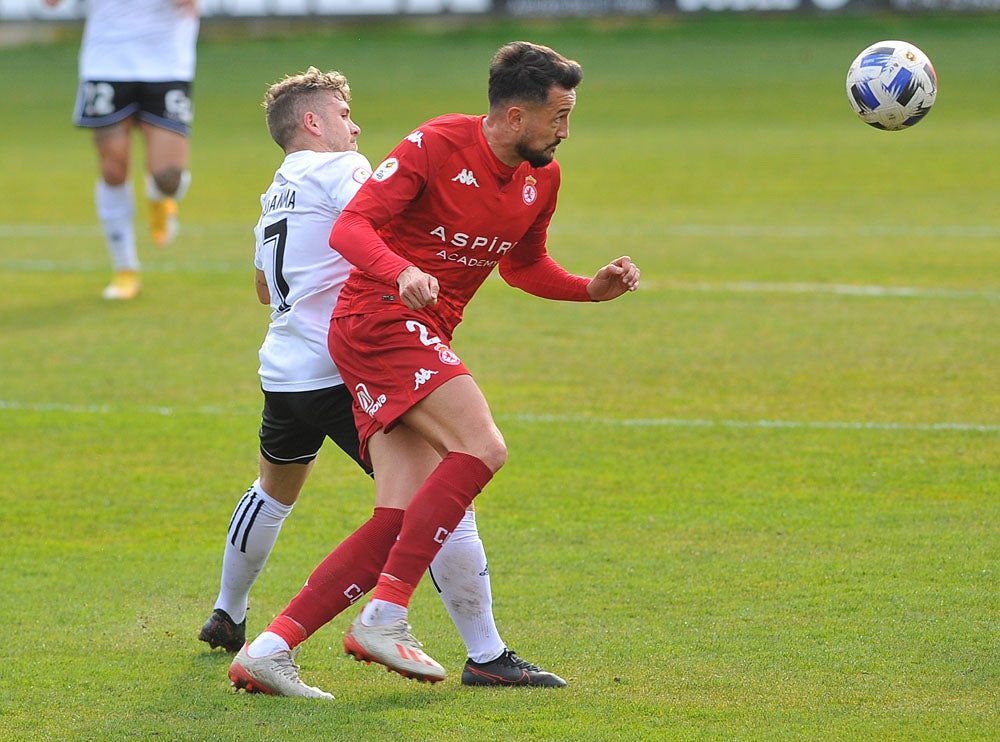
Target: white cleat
(275,674)
(393,646)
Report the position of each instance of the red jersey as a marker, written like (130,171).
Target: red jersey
(443,202)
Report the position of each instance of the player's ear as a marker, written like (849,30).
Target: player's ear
(515,117)
(311,123)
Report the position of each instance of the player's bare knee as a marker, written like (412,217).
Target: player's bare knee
(168,180)
(114,172)
(494,454)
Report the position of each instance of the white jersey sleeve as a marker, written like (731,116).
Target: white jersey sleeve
(138,41)
(304,274)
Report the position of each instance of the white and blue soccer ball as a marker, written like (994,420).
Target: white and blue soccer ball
(891,85)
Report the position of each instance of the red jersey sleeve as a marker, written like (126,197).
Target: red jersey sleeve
(531,269)
(354,237)
(545,278)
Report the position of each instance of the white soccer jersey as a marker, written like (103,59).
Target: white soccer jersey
(304,274)
(138,41)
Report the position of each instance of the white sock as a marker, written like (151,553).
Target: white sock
(267,643)
(116,212)
(382,613)
(462,578)
(253,530)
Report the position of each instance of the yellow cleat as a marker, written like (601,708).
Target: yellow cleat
(163,221)
(125,285)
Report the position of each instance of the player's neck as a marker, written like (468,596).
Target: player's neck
(501,143)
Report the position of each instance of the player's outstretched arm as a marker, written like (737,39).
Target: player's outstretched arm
(616,278)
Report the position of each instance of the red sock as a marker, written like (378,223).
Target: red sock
(430,518)
(341,579)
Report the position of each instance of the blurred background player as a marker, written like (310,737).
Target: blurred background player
(305,400)
(137,62)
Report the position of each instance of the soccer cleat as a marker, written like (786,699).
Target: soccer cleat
(275,674)
(124,285)
(393,646)
(221,631)
(163,221)
(509,669)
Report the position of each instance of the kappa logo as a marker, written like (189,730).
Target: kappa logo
(417,138)
(466,178)
(421,377)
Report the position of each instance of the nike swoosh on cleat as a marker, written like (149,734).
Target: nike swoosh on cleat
(501,680)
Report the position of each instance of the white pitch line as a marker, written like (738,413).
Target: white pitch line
(47,265)
(627,422)
(742,231)
(42,231)
(671,422)
(840,289)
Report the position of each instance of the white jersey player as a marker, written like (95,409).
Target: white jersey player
(137,65)
(305,400)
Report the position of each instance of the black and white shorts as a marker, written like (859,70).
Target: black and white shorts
(294,425)
(164,104)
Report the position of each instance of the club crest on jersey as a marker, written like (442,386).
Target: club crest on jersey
(529,193)
(447,355)
(386,170)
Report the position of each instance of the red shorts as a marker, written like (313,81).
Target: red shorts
(389,361)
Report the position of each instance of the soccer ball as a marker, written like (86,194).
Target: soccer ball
(891,85)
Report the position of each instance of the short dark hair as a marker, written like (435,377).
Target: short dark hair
(521,71)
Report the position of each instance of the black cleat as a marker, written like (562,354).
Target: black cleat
(509,669)
(221,631)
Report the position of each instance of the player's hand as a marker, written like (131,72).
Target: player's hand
(614,279)
(416,288)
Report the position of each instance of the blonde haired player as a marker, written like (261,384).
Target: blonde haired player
(137,63)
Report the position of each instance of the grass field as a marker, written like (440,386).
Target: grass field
(759,499)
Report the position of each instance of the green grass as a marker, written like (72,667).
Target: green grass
(758,499)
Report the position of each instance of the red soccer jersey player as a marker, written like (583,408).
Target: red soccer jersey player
(460,196)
